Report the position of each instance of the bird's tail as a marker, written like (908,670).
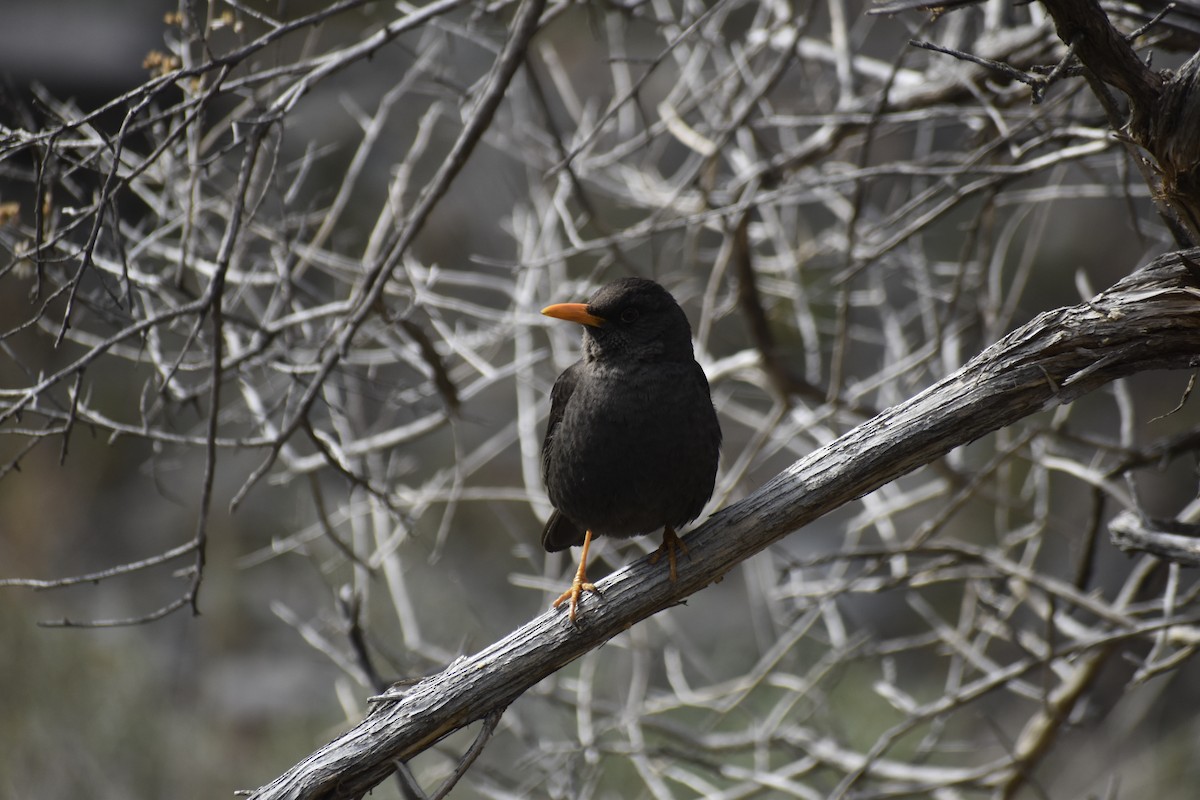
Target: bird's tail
(561,533)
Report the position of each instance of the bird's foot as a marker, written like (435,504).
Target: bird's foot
(670,544)
(580,583)
(578,587)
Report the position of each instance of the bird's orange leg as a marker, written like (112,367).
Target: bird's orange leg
(670,544)
(580,584)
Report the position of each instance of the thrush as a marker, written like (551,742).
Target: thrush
(632,441)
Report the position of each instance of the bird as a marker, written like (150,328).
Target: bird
(632,441)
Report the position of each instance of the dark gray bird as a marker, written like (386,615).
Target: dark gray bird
(633,440)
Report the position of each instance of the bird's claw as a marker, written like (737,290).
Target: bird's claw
(670,544)
(578,587)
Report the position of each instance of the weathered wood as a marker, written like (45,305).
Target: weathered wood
(1149,320)
(1083,25)
(1174,135)
(1164,108)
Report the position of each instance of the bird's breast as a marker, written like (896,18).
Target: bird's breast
(635,449)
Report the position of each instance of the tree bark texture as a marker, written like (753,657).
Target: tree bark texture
(1148,320)
(1164,107)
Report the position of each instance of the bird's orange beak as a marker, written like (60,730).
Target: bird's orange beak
(573,312)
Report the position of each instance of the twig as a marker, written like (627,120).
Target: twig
(1036,83)
(103,574)
(485,732)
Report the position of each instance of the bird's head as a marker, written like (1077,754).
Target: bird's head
(630,318)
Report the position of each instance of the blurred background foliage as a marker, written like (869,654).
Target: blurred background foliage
(714,147)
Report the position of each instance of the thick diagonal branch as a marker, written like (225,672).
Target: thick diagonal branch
(1149,320)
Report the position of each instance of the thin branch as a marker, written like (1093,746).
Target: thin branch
(481,739)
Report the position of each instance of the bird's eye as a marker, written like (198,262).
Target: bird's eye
(629,315)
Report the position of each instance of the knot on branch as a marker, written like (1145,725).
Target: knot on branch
(1173,136)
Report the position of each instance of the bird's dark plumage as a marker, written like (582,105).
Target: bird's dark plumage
(632,440)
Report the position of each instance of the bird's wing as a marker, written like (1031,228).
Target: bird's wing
(564,387)
(560,532)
